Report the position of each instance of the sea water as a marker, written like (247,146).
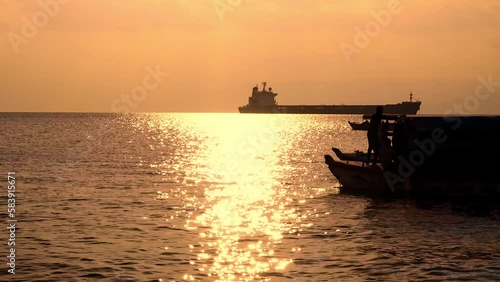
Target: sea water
(216,197)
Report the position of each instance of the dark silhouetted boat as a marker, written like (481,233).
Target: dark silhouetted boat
(365,125)
(434,156)
(264,101)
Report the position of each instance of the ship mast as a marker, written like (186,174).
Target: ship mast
(411,97)
(264,86)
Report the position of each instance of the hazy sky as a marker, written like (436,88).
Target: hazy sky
(86,55)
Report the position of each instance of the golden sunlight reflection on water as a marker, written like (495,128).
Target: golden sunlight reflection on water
(246,209)
(238,185)
(220,197)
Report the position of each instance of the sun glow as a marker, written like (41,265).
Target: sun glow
(246,210)
(229,190)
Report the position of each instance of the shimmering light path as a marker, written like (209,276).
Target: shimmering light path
(218,197)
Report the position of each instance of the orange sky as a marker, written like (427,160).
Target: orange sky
(85,55)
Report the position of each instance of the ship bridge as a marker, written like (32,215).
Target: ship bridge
(263,98)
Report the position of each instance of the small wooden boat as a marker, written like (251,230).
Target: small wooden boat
(357,156)
(357,179)
(365,125)
(373,181)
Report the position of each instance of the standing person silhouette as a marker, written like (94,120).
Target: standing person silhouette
(373,138)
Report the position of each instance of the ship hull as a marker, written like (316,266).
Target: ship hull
(407,108)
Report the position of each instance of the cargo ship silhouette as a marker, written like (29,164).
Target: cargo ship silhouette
(264,102)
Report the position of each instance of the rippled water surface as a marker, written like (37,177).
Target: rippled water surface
(218,197)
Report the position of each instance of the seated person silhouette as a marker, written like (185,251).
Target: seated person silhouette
(386,154)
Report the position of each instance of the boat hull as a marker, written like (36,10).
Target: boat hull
(356,179)
(372,181)
(407,108)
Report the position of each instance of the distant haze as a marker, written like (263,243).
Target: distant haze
(83,56)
